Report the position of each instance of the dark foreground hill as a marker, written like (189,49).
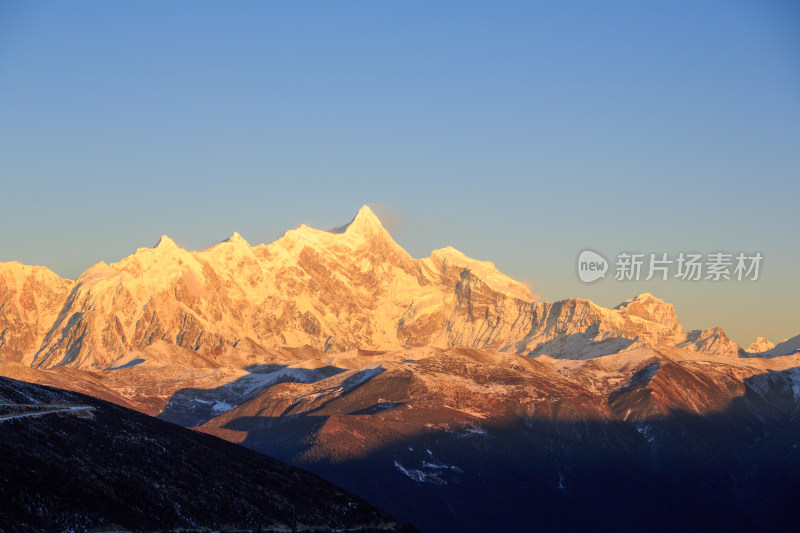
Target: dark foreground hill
(71,462)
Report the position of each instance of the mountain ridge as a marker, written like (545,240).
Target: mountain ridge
(353,287)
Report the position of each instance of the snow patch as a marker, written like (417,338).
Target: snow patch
(419,476)
(221,407)
(441,466)
(471,432)
(646,431)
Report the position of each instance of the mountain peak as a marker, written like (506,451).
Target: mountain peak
(643,298)
(165,243)
(236,239)
(365,221)
(761,344)
(648,307)
(486,271)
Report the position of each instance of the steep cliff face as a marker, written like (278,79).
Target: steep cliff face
(31,298)
(353,287)
(154,294)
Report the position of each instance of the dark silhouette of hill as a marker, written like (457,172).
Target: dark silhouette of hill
(111,467)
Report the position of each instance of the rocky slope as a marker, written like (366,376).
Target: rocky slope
(452,438)
(31,299)
(647,439)
(349,288)
(111,468)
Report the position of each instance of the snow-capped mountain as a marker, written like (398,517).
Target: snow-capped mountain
(353,287)
(760,345)
(438,388)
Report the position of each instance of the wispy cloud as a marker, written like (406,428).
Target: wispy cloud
(392,217)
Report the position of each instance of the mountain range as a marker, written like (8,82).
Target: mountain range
(352,287)
(438,388)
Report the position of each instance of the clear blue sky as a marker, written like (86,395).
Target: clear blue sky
(518,132)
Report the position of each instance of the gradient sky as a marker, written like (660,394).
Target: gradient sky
(518,132)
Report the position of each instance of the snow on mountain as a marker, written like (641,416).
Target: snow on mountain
(787,347)
(353,287)
(31,298)
(760,345)
(459,425)
(340,352)
(712,340)
(648,307)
